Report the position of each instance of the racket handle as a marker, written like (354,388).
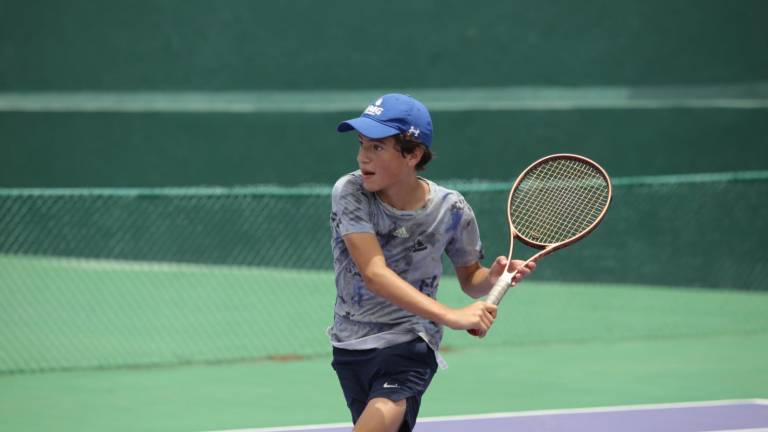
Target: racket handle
(503,284)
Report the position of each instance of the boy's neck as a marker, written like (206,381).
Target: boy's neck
(408,196)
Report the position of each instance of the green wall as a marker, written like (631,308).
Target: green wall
(109,149)
(168,47)
(305,44)
(644,87)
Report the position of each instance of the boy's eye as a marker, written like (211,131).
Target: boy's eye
(378,147)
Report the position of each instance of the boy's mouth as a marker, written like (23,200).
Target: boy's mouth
(367,173)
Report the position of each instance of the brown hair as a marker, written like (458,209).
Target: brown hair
(408,146)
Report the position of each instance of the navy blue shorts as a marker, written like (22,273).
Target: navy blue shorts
(402,371)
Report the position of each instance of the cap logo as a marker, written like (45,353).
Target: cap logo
(413,132)
(375,109)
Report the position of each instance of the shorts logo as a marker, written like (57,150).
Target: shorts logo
(388,385)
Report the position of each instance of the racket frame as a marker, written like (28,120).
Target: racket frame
(505,281)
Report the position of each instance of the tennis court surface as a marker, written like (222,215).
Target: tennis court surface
(720,416)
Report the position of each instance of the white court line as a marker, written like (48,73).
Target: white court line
(644,407)
(739,430)
(291,428)
(676,405)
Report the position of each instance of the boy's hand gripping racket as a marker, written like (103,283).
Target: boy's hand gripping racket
(555,202)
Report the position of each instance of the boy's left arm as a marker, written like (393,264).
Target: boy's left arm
(477,280)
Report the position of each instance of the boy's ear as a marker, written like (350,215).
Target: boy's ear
(415,156)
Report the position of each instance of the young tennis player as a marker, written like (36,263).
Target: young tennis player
(390,228)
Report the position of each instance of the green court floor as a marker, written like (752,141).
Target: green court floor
(115,346)
(479,380)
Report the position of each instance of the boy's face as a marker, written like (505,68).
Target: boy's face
(382,164)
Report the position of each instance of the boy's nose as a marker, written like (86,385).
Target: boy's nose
(361,157)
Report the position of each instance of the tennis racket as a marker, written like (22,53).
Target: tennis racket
(554,203)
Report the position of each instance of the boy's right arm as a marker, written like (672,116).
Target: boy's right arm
(382,281)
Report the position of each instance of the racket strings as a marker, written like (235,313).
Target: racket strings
(557,189)
(565,184)
(555,219)
(558,200)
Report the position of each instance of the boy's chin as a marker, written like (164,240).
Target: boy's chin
(371,188)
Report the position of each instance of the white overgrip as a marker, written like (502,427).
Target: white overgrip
(500,288)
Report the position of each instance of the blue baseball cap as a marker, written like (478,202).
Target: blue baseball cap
(393,114)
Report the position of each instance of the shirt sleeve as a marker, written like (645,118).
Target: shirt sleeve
(465,247)
(350,207)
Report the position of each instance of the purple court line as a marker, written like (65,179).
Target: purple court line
(684,417)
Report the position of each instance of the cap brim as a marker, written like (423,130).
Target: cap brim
(367,127)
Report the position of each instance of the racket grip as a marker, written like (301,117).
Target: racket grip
(500,288)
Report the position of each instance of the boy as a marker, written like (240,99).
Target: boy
(389,229)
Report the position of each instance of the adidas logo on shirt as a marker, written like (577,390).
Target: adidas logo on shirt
(400,232)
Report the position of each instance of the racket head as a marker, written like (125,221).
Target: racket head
(558,200)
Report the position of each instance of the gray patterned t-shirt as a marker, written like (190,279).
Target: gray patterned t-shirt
(413,243)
